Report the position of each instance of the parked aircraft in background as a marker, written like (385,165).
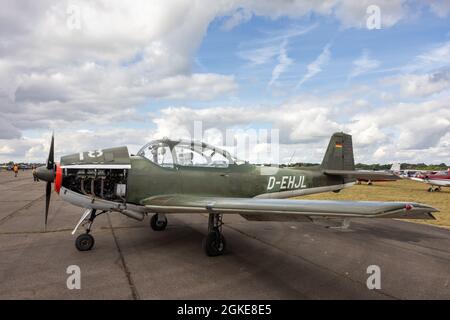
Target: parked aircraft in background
(435,180)
(380,175)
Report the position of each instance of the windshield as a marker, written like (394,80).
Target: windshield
(159,153)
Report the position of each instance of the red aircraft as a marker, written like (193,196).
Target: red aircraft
(435,180)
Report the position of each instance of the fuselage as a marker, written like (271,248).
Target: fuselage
(147,179)
(115,176)
(441,179)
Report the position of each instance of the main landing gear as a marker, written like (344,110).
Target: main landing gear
(158,222)
(85,241)
(214,243)
(430,189)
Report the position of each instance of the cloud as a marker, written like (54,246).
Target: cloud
(412,132)
(300,121)
(8,131)
(238,17)
(354,13)
(54,76)
(316,66)
(422,85)
(437,56)
(267,48)
(440,7)
(90,83)
(283,63)
(404,127)
(363,64)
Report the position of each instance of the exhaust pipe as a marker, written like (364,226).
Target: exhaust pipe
(133,214)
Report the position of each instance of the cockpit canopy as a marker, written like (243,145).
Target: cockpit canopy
(168,153)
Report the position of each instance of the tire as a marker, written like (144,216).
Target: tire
(84,242)
(430,189)
(158,225)
(214,244)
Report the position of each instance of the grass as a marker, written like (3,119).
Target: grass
(400,190)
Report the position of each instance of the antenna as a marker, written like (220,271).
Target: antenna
(291,157)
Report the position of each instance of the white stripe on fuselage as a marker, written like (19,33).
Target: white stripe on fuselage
(302,192)
(439,182)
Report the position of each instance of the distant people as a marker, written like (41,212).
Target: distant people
(35,177)
(16,170)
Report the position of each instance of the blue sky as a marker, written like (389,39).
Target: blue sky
(393,47)
(106,73)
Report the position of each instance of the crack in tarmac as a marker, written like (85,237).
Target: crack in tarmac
(133,288)
(27,206)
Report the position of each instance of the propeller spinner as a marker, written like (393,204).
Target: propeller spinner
(51,172)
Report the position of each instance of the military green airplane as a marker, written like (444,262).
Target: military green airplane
(182,176)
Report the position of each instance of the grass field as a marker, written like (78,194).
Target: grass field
(400,190)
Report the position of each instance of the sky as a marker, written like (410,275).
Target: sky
(108,73)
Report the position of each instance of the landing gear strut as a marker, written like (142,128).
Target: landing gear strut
(214,243)
(158,222)
(85,241)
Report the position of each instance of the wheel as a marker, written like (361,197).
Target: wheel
(214,244)
(84,242)
(437,189)
(430,189)
(158,225)
(369,183)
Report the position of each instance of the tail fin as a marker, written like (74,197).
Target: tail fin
(395,167)
(339,155)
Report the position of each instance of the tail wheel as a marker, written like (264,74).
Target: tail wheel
(84,242)
(214,244)
(157,223)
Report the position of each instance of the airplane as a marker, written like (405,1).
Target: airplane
(378,176)
(182,176)
(436,180)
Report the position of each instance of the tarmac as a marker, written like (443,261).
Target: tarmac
(264,260)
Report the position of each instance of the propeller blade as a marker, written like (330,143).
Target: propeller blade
(48,192)
(51,154)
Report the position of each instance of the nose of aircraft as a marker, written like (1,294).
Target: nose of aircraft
(43,173)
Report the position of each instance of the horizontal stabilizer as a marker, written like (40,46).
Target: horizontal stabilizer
(362,175)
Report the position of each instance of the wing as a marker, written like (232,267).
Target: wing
(363,175)
(289,209)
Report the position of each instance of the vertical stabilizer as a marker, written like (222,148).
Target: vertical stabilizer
(339,154)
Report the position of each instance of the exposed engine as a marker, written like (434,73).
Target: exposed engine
(108,184)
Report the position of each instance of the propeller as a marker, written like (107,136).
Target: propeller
(48,173)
